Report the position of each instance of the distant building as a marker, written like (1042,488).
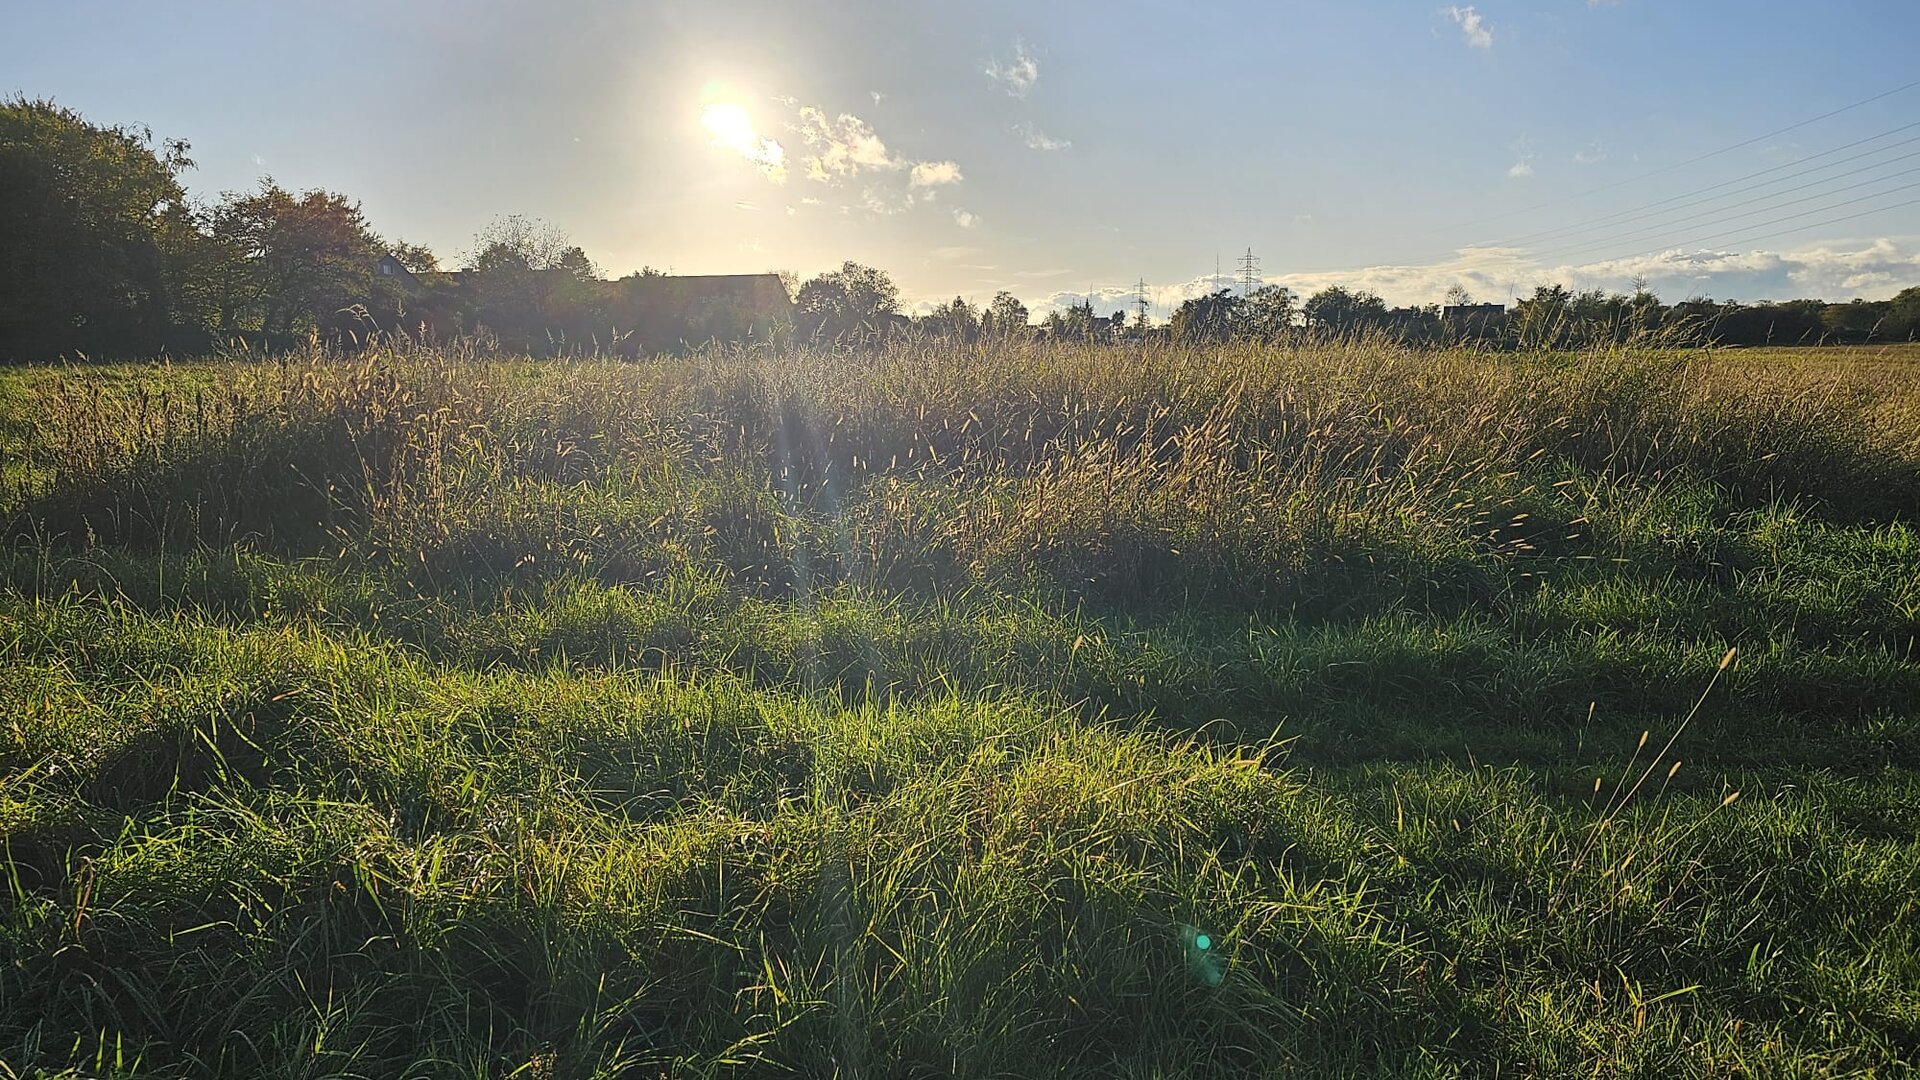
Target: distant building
(639,313)
(396,271)
(1474,322)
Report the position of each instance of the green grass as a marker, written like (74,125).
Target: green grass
(764,714)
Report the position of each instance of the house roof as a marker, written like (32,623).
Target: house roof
(757,290)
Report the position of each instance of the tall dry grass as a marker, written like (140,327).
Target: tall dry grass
(939,463)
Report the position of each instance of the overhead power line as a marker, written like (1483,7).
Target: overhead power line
(1726,238)
(1708,156)
(1634,211)
(1721,217)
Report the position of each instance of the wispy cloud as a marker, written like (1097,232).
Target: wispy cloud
(934,174)
(1474,28)
(1523,155)
(1036,139)
(1017,73)
(1591,153)
(966,219)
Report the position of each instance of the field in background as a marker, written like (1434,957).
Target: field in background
(905,714)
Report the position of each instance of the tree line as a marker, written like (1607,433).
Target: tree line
(103,253)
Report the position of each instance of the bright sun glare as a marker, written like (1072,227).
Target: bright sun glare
(733,129)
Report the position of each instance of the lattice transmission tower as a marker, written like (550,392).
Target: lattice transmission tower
(1249,273)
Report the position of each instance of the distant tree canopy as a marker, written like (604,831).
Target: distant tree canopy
(852,303)
(533,287)
(1005,316)
(956,321)
(1339,312)
(516,245)
(293,262)
(102,253)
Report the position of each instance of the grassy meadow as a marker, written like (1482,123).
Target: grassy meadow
(913,714)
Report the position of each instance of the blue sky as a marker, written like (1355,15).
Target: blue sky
(1052,149)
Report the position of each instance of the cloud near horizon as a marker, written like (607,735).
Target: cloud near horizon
(1836,271)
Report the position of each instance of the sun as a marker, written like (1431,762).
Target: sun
(733,129)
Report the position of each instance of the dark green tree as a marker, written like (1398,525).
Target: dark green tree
(957,321)
(852,303)
(87,218)
(535,289)
(1266,315)
(415,257)
(1336,311)
(1903,315)
(308,262)
(1208,318)
(1005,316)
(1076,323)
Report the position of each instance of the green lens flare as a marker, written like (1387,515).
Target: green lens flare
(1203,942)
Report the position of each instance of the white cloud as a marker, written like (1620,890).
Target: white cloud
(1520,170)
(846,149)
(965,219)
(1036,139)
(1015,74)
(934,174)
(843,146)
(1473,26)
(1591,153)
